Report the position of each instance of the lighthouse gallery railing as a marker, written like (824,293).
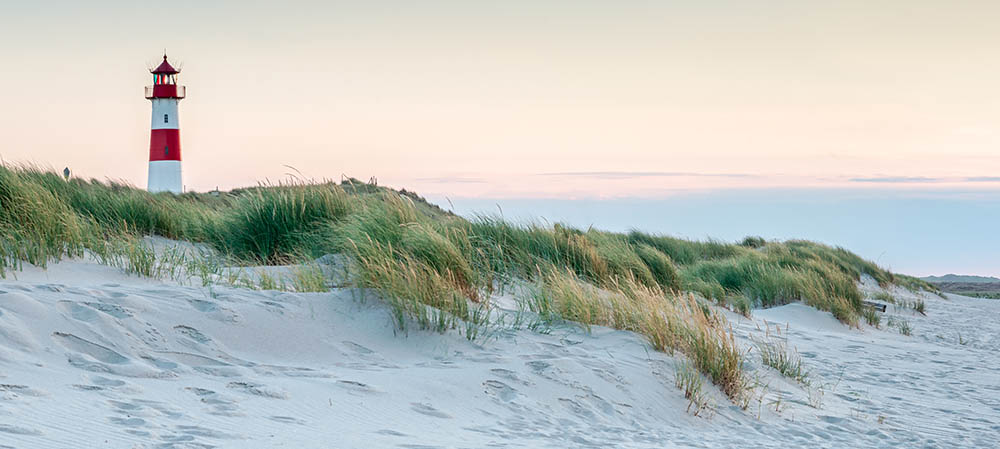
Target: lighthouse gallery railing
(166,91)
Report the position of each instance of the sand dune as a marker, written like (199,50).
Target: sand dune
(90,357)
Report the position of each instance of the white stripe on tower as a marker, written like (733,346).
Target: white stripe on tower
(164,136)
(165,113)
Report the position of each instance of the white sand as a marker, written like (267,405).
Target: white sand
(90,357)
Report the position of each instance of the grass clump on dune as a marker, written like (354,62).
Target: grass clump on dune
(415,290)
(670,321)
(764,280)
(661,267)
(274,224)
(414,264)
(35,226)
(518,250)
(120,208)
(686,252)
(759,273)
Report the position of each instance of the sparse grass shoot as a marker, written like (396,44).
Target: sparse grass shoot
(689,380)
(775,354)
(885,297)
(872,317)
(901,324)
(307,278)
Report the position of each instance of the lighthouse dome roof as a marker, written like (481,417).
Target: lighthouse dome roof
(164,68)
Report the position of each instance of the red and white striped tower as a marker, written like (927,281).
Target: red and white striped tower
(165,136)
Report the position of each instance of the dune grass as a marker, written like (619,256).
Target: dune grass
(915,285)
(35,225)
(885,297)
(774,353)
(872,317)
(902,324)
(670,321)
(435,269)
(275,224)
(688,380)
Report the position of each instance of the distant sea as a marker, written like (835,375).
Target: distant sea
(918,232)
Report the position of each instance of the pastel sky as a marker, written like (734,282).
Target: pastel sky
(519,99)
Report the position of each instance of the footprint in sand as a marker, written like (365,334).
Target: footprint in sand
(10,391)
(78,312)
(426,409)
(202,305)
(127,422)
(98,352)
(609,376)
(193,360)
(19,430)
(111,309)
(192,333)
(160,363)
(199,431)
(539,367)
(273,307)
(125,406)
(356,387)
(257,390)
(286,420)
(577,408)
(511,376)
(220,405)
(213,309)
(290,371)
(153,407)
(357,348)
(500,390)
(221,371)
(23,305)
(601,405)
(171,439)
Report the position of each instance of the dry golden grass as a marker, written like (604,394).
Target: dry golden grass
(669,321)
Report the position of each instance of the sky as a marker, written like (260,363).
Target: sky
(596,104)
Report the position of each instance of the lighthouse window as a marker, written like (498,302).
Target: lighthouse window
(166,151)
(166,118)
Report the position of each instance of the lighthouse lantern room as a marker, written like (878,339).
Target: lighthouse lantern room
(164,137)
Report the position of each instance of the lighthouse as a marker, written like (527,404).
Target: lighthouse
(165,134)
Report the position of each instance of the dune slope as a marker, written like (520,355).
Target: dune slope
(90,357)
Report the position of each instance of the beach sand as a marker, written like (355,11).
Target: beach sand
(91,357)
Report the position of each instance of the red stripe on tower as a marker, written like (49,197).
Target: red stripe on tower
(165,135)
(165,145)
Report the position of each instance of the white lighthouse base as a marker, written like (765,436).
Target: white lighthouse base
(164,176)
